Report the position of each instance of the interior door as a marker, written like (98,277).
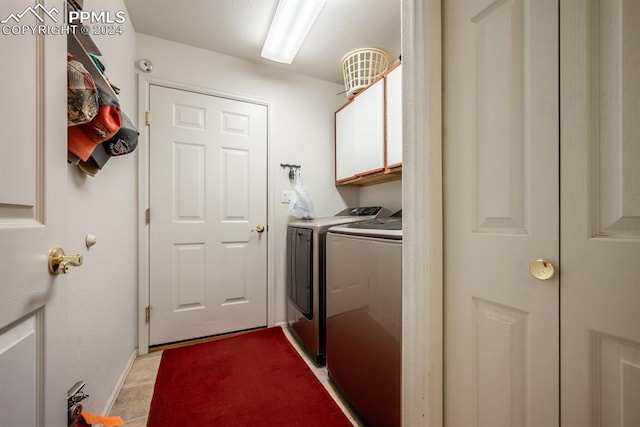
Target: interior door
(32,221)
(600,290)
(500,115)
(208,208)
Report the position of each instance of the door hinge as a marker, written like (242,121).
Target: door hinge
(147,313)
(147,118)
(147,216)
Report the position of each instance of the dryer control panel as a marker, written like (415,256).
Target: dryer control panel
(361,211)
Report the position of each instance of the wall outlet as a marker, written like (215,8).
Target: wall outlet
(286,196)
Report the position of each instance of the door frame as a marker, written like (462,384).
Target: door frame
(422,261)
(144,86)
(422,344)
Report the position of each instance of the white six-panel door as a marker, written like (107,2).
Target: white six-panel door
(32,221)
(600,283)
(509,346)
(208,197)
(500,113)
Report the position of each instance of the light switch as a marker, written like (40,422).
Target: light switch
(286,197)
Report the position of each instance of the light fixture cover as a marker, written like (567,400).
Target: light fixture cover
(289,28)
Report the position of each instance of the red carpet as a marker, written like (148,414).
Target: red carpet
(255,379)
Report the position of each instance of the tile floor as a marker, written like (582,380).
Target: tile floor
(133,401)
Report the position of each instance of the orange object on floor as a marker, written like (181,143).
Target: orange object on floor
(88,419)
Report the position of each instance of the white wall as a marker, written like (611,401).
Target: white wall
(102,294)
(388,195)
(300,126)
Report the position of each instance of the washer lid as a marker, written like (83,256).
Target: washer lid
(390,228)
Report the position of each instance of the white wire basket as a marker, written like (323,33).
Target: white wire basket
(361,67)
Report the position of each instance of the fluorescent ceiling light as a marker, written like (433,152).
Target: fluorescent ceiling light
(290,26)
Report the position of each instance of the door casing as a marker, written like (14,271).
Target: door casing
(422,268)
(422,210)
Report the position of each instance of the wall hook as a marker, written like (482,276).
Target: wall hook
(292,169)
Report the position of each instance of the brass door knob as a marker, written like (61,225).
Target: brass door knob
(259,228)
(542,269)
(59,262)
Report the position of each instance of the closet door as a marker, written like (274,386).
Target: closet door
(600,140)
(501,210)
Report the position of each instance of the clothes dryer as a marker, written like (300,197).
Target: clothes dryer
(305,275)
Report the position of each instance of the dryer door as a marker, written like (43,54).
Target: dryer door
(300,269)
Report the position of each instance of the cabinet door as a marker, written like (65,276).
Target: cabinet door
(345,146)
(369,142)
(360,134)
(394,117)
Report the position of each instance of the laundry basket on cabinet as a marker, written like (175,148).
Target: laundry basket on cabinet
(361,67)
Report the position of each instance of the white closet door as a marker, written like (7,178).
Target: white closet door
(501,210)
(600,140)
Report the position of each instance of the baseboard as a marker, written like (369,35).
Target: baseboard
(120,382)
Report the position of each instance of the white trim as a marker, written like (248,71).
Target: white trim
(144,83)
(422,341)
(120,383)
(143,203)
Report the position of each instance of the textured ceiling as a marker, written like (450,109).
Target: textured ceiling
(239,27)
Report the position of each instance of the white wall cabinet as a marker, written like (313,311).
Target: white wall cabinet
(345,122)
(360,134)
(368,144)
(394,118)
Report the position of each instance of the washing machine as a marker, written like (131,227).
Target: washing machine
(305,276)
(364,316)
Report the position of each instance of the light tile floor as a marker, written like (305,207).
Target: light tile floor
(133,401)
